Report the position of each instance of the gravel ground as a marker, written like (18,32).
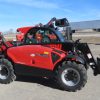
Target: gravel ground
(89,37)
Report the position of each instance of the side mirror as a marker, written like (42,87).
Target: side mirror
(62,22)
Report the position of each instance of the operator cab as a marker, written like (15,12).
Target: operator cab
(41,35)
(48,33)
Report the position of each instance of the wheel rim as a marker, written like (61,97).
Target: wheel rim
(3,72)
(70,77)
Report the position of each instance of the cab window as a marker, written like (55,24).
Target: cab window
(41,36)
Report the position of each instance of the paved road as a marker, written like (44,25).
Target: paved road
(27,88)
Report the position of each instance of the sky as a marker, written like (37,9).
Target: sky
(19,13)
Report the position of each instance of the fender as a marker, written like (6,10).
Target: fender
(80,60)
(75,58)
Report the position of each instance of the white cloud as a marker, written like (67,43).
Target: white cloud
(39,4)
(34,3)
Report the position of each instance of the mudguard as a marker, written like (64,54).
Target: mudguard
(80,60)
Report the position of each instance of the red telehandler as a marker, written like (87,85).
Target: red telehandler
(66,61)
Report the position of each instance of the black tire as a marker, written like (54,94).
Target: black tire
(74,73)
(6,72)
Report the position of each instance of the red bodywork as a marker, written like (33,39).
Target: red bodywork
(22,31)
(57,46)
(34,55)
(3,46)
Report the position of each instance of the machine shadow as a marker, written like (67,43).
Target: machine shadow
(39,80)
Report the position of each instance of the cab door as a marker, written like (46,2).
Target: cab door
(44,36)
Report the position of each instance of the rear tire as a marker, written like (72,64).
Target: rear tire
(71,76)
(6,72)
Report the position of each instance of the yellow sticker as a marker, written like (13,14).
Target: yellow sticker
(46,53)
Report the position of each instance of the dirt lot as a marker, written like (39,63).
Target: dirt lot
(30,88)
(93,37)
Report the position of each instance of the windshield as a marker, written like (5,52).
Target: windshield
(61,36)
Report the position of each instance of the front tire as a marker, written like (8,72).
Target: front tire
(71,76)
(6,72)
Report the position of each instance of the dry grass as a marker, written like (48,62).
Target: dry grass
(88,39)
